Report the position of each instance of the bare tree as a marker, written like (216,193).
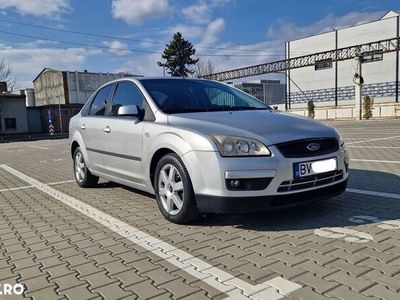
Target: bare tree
(7,75)
(204,68)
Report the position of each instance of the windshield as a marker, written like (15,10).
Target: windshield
(179,96)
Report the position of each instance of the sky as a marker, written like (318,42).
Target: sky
(130,35)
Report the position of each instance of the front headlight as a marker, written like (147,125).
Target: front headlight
(341,140)
(239,146)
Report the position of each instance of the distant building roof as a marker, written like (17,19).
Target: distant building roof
(389,14)
(85,71)
(11,95)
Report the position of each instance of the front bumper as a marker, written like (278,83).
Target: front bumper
(209,171)
(215,204)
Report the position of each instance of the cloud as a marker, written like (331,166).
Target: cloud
(37,8)
(212,31)
(198,13)
(201,12)
(188,31)
(284,30)
(137,11)
(117,47)
(26,63)
(145,64)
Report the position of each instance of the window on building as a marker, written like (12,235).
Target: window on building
(10,123)
(373,56)
(126,94)
(99,103)
(323,64)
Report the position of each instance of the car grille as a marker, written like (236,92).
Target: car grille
(298,148)
(310,181)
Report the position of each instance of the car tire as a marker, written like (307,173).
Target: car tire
(82,175)
(174,188)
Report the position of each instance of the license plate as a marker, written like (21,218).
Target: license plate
(303,169)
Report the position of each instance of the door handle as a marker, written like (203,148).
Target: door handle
(83,127)
(107,129)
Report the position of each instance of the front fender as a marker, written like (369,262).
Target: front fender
(179,141)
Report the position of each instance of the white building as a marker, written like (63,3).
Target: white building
(327,81)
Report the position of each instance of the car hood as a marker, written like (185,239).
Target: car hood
(269,126)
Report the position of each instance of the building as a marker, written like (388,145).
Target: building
(330,83)
(12,112)
(268,91)
(68,87)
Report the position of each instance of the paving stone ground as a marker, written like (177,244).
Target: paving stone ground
(347,247)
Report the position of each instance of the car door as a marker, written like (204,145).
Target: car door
(92,126)
(123,139)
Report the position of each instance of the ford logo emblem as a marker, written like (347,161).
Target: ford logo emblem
(313,146)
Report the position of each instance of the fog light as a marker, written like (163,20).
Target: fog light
(235,184)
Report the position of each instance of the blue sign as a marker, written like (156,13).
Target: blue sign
(49,118)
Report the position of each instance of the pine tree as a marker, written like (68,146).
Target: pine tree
(177,56)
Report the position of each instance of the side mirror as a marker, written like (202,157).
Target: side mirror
(128,111)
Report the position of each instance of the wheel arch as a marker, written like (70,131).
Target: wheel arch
(74,145)
(160,153)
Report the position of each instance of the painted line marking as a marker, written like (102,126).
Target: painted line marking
(376,161)
(386,224)
(372,140)
(235,288)
(38,147)
(369,133)
(373,193)
(61,182)
(16,188)
(349,235)
(374,147)
(31,186)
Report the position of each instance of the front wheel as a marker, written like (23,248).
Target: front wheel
(174,191)
(83,177)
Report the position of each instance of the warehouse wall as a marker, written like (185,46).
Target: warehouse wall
(379,76)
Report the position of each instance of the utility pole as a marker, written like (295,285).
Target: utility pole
(358,81)
(59,114)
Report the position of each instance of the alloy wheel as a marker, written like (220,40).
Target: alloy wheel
(170,189)
(80,167)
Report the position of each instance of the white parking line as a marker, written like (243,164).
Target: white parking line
(373,193)
(16,188)
(38,147)
(61,182)
(372,140)
(365,133)
(374,147)
(376,161)
(224,282)
(31,186)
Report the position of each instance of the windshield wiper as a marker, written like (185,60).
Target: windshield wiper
(173,110)
(247,108)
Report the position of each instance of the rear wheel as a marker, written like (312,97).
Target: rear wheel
(174,190)
(83,177)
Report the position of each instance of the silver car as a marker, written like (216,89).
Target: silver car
(204,147)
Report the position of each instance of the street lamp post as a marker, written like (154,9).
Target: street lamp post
(59,114)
